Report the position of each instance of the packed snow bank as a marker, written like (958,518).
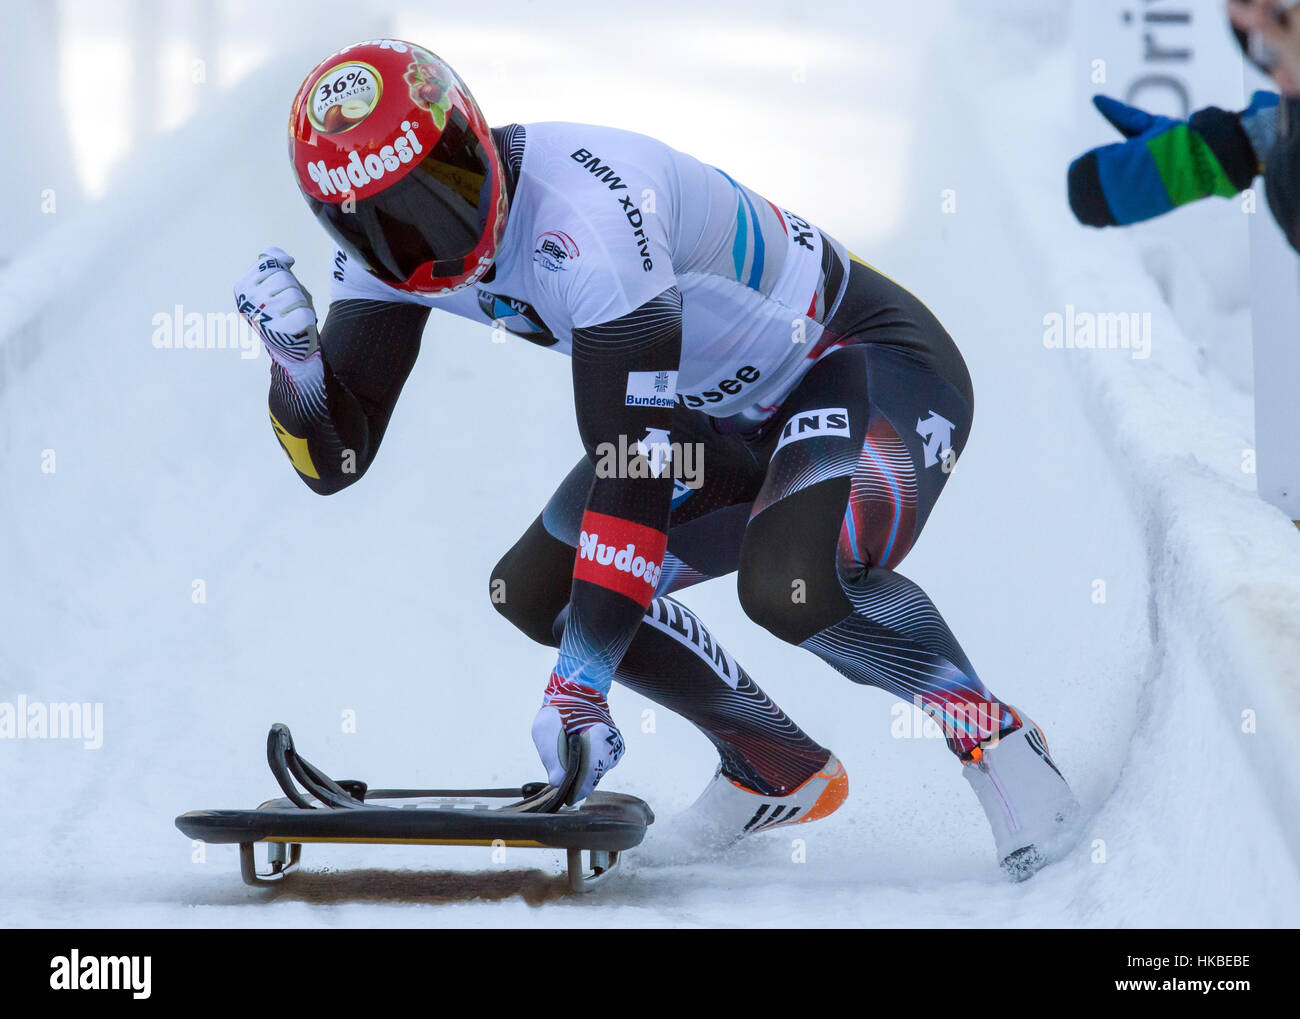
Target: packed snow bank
(372,605)
(42,291)
(1224,566)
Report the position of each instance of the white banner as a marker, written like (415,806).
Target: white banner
(1275,323)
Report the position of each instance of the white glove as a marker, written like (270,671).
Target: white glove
(278,308)
(571,708)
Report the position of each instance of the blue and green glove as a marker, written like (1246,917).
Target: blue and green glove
(1164,163)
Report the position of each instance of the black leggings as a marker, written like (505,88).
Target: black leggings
(815,511)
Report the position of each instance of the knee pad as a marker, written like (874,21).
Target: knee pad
(788,581)
(530,585)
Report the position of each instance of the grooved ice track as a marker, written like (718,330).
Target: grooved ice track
(374,602)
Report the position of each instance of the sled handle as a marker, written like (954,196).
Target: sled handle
(287,765)
(552,797)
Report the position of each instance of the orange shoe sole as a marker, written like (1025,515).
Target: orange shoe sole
(830,800)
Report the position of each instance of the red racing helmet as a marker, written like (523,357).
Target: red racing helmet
(397,163)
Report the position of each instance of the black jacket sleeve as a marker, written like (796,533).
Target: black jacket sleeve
(331,411)
(1282,178)
(624,385)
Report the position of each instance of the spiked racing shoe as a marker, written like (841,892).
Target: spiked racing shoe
(1025,797)
(727,811)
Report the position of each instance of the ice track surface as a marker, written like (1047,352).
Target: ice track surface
(375,601)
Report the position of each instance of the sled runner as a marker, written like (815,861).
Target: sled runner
(537,815)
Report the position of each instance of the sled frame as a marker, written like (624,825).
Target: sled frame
(283,858)
(320,793)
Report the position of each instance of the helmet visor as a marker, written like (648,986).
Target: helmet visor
(437,213)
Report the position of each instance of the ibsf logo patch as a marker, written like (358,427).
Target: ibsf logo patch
(554,249)
(651,389)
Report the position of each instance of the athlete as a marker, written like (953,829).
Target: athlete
(706,325)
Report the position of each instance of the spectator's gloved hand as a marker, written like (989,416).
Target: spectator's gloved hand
(1163,164)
